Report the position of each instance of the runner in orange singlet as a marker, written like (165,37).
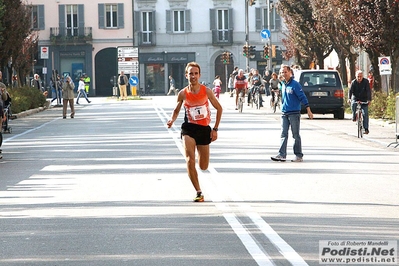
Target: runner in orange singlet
(196,132)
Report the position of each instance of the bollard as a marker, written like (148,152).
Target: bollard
(396,122)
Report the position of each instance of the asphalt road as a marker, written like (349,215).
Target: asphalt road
(109,187)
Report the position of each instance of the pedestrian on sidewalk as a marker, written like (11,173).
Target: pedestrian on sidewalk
(68,97)
(195,131)
(82,91)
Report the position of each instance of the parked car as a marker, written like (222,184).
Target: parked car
(324,91)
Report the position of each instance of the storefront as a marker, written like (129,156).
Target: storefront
(158,67)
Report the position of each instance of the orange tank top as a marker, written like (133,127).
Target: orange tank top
(196,107)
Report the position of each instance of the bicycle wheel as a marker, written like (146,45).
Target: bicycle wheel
(257,100)
(359,124)
(240,104)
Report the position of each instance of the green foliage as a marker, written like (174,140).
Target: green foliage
(383,105)
(25,98)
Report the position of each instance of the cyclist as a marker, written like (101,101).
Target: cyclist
(360,91)
(240,84)
(256,81)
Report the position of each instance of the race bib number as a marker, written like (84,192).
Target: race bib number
(198,112)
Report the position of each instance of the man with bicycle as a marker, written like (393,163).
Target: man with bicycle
(360,92)
(256,83)
(240,84)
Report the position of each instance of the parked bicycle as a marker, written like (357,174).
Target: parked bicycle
(360,119)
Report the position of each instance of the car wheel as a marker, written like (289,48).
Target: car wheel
(339,114)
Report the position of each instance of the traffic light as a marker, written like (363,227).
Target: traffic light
(225,58)
(252,50)
(251,2)
(274,51)
(266,51)
(245,51)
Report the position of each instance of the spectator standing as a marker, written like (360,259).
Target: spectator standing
(4,96)
(292,96)
(122,82)
(231,85)
(36,83)
(68,96)
(87,83)
(370,78)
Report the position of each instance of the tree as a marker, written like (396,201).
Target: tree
(304,38)
(16,28)
(332,20)
(374,25)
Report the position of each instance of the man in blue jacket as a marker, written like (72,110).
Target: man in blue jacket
(291,97)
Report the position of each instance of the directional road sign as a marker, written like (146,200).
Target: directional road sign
(134,81)
(265,34)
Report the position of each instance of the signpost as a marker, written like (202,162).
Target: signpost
(128,60)
(134,81)
(384,64)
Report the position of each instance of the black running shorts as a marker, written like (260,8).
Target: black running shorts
(201,134)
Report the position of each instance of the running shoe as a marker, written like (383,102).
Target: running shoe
(199,198)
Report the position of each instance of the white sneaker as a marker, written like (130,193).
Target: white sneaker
(278,158)
(297,160)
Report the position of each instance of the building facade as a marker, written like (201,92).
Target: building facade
(82,38)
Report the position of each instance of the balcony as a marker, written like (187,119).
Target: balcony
(222,37)
(146,38)
(71,36)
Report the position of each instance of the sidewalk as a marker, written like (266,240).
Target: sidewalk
(382,133)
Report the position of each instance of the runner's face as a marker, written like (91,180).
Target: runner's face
(193,75)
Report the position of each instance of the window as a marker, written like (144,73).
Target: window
(72,20)
(223,24)
(178,21)
(275,19)
(111,16)
(37,17)
(147,27)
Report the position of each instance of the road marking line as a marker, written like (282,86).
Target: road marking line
(257,253)
(286,250)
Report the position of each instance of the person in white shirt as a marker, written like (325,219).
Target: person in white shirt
(82,91)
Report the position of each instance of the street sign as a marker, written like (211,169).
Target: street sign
(128,60)
(134,81)
(384,64)
(44,52)
(265,34)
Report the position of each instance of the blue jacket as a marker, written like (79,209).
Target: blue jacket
(291,97)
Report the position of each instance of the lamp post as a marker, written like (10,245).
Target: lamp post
(269,63)
(246,33)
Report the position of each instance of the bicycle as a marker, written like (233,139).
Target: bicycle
(241,100)
(256,96)
(276,103)
(359,118)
